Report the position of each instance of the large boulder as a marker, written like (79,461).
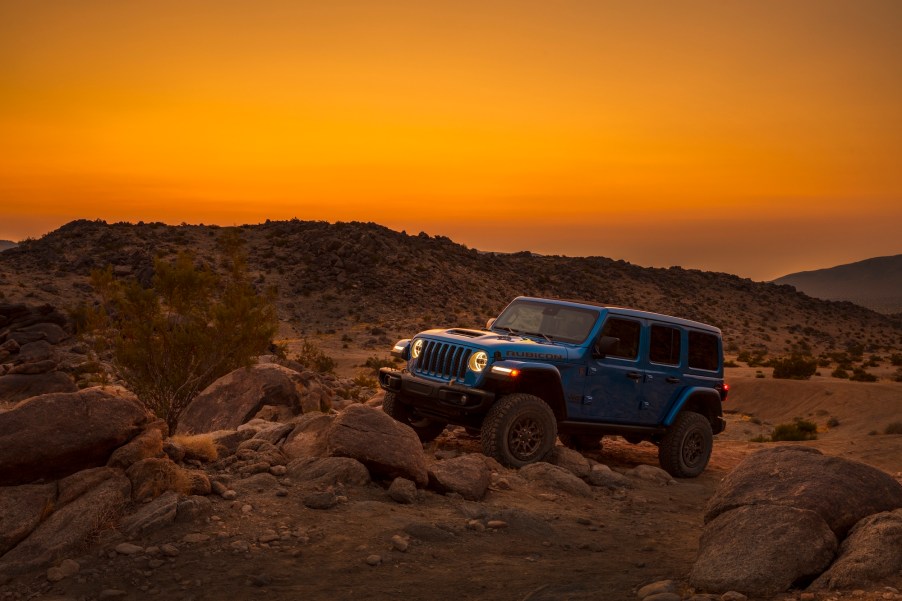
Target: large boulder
(236,398)
(327,471)
(55,435)
(839,490)
(761,550)
(555,478)
(308,439)
(21,509)
(70,527)
(467,475)
(385,446)
(18,387)
(870,555)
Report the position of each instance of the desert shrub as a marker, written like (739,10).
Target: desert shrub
(365,379)
(311,356)
(759,374)
(375,364)
(896,359)
(893,428)
(794,367)
(190,327)
(860,375)
(198,446)
(897,377)
(832,422)
(839,372)
(800,429)
(730,364)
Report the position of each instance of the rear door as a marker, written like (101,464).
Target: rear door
(663,381)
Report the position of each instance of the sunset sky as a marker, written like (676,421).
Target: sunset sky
(753,137)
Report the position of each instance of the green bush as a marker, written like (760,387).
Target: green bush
(839,372)
(860,375)
(893,428)
(794,367)
(190,327)
(798,430)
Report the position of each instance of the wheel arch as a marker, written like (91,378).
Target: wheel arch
(705,401)
(538,379)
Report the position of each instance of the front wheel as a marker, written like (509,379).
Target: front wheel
(685,449)
(426,429)
(519,429)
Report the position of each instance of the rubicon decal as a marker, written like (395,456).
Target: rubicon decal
(527,355)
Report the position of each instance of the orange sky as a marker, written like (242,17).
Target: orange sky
(752,137)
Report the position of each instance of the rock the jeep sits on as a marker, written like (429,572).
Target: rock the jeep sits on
(575,370)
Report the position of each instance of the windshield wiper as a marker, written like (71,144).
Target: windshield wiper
(545,336)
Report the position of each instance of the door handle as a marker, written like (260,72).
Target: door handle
(672,380)
(634,375)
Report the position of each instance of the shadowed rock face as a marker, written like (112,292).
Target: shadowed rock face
(54,435)
(386,447)
(236,397)
(840,491)
(762,550)
(871,554)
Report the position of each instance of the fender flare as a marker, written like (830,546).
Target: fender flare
(705,396)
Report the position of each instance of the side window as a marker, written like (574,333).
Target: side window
(703,353)
(664,346)
(628,332)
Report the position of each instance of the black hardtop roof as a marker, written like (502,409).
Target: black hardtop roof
(627,312)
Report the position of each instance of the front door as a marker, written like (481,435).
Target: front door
(614,383)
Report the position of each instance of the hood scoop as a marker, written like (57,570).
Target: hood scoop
(467,333)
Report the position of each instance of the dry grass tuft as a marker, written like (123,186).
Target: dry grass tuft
(198,446)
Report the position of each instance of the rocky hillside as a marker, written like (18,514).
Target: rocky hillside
(365,279)
(874,283)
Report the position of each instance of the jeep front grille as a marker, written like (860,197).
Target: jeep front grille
(443,360)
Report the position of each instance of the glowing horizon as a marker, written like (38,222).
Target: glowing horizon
(769,132)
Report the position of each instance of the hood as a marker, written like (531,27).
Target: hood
(508,346)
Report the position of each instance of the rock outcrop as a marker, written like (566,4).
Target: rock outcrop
(238,396)
(386,447)
(54,435)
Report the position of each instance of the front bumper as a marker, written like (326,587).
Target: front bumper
(435,399)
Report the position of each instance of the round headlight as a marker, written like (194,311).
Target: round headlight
(478,361)
(416,348)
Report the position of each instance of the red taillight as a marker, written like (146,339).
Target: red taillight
(726,387)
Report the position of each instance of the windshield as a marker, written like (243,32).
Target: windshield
(547,320)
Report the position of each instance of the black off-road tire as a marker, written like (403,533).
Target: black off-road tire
(518,430)
(580,442)
(426,429)
(685,449)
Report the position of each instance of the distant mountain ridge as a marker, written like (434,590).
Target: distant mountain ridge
(337,279)
(873,283)
(4,244)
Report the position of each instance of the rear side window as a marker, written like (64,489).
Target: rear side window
(664,345)
(627,331)
(703,352)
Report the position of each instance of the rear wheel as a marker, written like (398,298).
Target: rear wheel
(519,429)
(426,429)
(685,449)
(580,442)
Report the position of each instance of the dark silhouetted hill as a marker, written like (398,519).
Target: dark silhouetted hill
(5,244)
(873,283)
(332,277)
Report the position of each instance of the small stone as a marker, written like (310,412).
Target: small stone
(661,586)
(399,543)
(503,484)
(320,500)
(268,538)
(128,549)
(229,495)
(218,487)
(261,580)
(111,593)
(733,596)
(583,521)
(496,524)
(169,550)
(663,597)
(476,525)
(374,559)
(807,597)
(247,508)
(152,550)
(195,537)
(278,470)
(403,491)
(153,564)
(281,493)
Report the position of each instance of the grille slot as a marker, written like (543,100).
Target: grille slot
(443,360)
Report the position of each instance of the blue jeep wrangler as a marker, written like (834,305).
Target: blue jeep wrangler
(574,370)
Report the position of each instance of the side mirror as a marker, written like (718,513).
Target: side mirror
(606,345)
(488,324)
